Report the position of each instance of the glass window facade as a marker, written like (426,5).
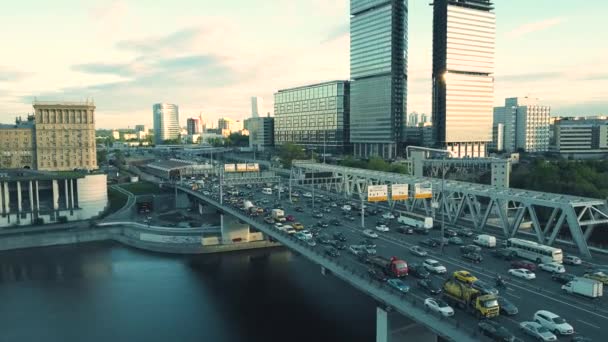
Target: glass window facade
(315,116)
(166,122)
(378,67)
(463,81)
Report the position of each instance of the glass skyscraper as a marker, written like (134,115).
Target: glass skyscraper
(166,122)
(463,75)
(378,70)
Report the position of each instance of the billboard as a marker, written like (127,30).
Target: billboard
(399,192)
(377,193)
(253,167)
(423,190)
(241,167)
(229,168)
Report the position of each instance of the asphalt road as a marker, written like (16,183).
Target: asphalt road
(585,315)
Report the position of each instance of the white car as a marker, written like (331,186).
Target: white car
(346,207)
(537,331)
(434,266)
(419,251)
(370,233)
(572,260)
(522,273)
(382,228)
(388,216)
(440,306)
(553,322)
(307,194)
(552,267)
(307,233)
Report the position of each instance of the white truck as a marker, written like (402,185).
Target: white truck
(584,287)
(247,205)
(278,215)
(426,222)
(485,240)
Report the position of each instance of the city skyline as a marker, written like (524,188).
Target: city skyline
(135,63)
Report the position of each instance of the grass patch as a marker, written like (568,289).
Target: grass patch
(116,199)
(143,188)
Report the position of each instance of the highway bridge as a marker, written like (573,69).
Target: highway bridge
(464,202)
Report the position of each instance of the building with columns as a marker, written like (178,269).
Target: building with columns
(31,197)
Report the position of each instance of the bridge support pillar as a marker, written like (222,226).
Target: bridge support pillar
(382,326)
(233,231)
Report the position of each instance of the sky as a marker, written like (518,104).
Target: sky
(210,56)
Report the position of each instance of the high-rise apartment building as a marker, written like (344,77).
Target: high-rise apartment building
(194,126)
(141,128)
(226,124)
(315,116)
(65,136)
(463,81)
(166,122)
(413,119)
(424,118)
(256,106)
(261,132)
(378,71)
(525,125)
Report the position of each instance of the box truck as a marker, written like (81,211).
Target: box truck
(584,287)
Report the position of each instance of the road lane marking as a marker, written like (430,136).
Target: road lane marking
(589,324)
(512,295)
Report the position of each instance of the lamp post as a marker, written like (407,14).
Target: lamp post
(442,203)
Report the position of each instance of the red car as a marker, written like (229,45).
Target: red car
(530,266)
(290,218)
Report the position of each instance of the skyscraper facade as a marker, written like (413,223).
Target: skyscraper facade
(378,70)
(413,119)
(463,81)
(424,118)
(166,122)
(526,124)
(194,126)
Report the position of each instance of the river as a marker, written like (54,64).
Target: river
(108,292)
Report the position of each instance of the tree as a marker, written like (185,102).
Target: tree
(289,152)
(102,156)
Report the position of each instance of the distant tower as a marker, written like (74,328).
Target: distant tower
(424,118)
(256,106)
(166,122)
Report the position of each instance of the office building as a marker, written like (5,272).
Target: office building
(378,71)
(261,132)
(419,135)
(314,116)
(463,81)
(141,128)
(525,125)
(17,145)
(65,136)
(194,126)
(116,134)
(581,138)
(166,122)
(226,124)
(424,118)
(257,106)
(413,119)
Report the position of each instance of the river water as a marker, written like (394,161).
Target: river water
(108,292)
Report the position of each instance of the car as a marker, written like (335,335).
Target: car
(340,237)
(311,242)
(346,207)
(333,204)
(350,218)
(290,218)
(470,248)
(324,239)
(465,277)
(450,233)
(472,256)
(580,338)
(599,276)
(419,251)
(300,236)
(522,273)
(552,267)
(306,233)
(439,306)
(405,230)
(438,241)
(434,266)
(327,210)
(506,307)
(335,222)
(495,331)
(399,285)
(269,220)
(307,195)
(332,252)
(429,286)
(572,260)
(322,224)
(388,216)
(553,322)
(297,225)
(530,266)
(337,244)
(418,271)
(429,243)
(501,253)
(317,215)
(455,240)
(278,225)
(299,209)
(377,274)
(382,228)
(370,233)
(465,232)
(357,249)
(563,278)
(537,331)
(484,287)
(421,230)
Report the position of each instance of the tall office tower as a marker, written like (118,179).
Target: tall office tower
(526,124)
(424,118)
(463,81)
(166,122)
(256,106)
(378,71)
(193,126)
(141,128)
(65,136)
(413,119)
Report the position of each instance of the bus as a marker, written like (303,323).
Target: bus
(534,251)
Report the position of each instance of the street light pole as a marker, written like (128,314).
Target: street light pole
(442,203)
(313,191)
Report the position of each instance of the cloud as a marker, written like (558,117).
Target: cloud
(337,33)
(176,40)
(601,76)
(10,75)
(101,68)
(533,76)
(529,28)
